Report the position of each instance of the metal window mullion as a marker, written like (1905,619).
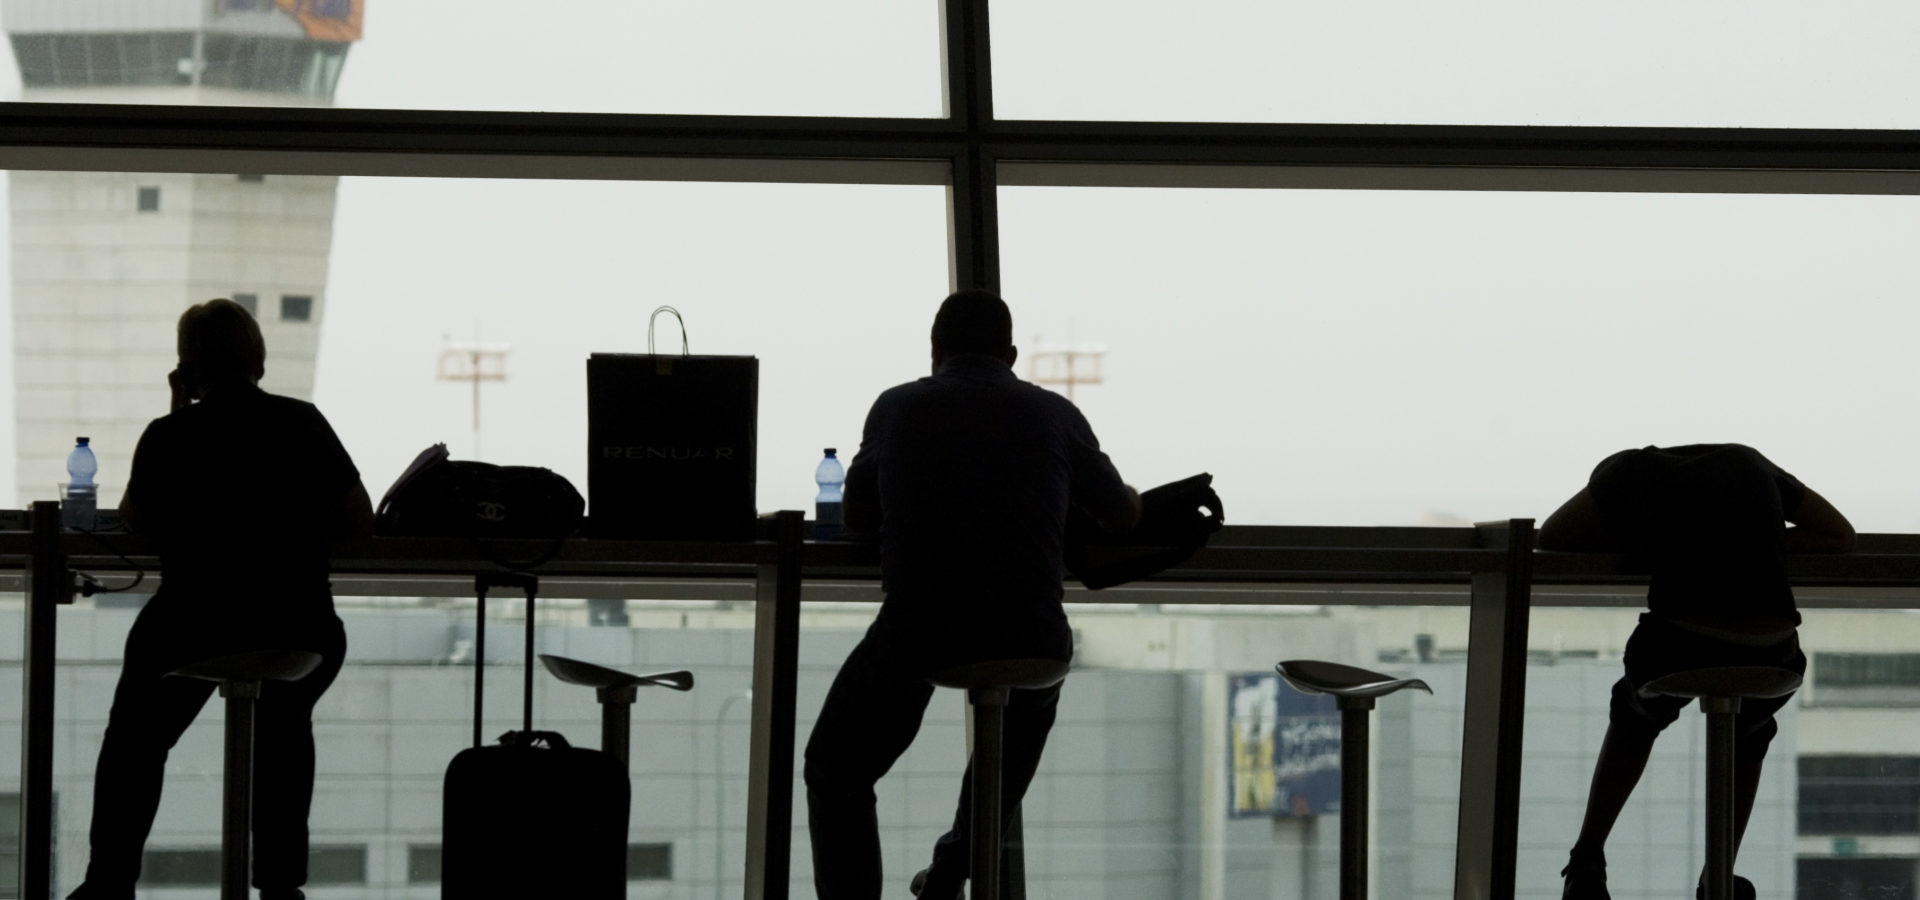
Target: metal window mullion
(1490,752)
(973,251)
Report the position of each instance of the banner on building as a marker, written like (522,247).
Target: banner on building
(1284,749)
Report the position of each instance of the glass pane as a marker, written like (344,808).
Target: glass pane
(13,622)
(836,57)
(1386,357)
(1178,765)
(395,274)
(1641,63)
(1836,807)
(1858,792)
(374,281)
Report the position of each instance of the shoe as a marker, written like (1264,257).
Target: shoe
(918,885)
(1586,879)
(1742,890)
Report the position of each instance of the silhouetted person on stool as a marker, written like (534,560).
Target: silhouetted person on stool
(240,492)
(966,477)
(1708,520)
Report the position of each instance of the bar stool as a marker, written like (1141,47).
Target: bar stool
(988,685)
(240,676)
(1720,691)
(1354,690)
(616,691)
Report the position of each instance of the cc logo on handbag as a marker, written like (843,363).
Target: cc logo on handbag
(490,511)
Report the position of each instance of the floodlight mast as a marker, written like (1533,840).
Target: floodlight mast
(474,363)
(1062,365)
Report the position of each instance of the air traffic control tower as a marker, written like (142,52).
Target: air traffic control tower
(104,263)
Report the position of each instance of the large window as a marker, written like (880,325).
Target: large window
(833,57)
(1720,63)
(1383,357)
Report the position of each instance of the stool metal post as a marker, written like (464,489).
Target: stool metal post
(616,691)
(989,725)
(236,818)
(240,676)
(1720,690)
(1354,692)
(1356,736)
(1720,712)
(990,685)
(616,719)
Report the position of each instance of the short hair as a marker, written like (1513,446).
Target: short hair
(973,321)
(220,341)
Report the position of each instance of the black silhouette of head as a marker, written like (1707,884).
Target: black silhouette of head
(220,343)
(973,322)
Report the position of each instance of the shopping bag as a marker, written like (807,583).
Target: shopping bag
(671,444)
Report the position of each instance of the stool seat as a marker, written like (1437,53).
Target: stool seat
(1313,676)
(1745,682)
(255,665)
(1028,674)
(586,674)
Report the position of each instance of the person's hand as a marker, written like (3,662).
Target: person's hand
(182,392)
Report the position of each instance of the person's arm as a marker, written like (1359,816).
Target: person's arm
(1817,527)
(354,518)
(860,495)
(1123,515)
(351,516)
(131,514)
(1577,525)
(1097,487)
(137,511)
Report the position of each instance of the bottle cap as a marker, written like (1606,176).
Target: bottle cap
(830,451)
(82,441)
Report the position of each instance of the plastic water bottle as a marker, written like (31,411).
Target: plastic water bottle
(77,508)
(826,505)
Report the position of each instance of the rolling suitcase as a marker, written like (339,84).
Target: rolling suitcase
(531,816)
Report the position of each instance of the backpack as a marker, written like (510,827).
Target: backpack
(441,497)
(1176,519)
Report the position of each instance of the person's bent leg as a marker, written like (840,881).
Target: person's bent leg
(1634,722)
(150,711)
(1029,719)
(283,767)
(870,717)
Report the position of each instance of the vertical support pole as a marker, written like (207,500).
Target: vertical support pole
(1356,737)
(526,667)
(776,656)
(1720,832)
(973,213)
(480,586)
(616,721)
(989,726)
(236,819)
(47,589)
(1496,699)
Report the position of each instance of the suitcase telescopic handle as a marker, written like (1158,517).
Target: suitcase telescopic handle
(482,583)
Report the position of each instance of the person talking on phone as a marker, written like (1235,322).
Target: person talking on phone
(240,492)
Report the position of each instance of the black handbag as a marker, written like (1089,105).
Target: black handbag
(1176,520)
(441,497)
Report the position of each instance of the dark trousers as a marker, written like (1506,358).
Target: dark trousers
(872,712)
(150,712)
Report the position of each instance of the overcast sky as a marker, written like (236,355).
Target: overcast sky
(1333,357)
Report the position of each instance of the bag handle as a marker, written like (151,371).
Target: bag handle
(684,351)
